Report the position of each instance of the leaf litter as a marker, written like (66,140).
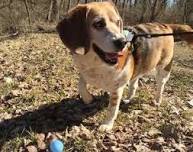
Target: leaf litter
(40,101)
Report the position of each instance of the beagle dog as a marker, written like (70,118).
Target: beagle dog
(94,34)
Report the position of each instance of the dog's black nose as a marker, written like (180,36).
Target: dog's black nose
(120,43)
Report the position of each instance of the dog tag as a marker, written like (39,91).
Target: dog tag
(128,35)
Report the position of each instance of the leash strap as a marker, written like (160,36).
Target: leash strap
(130,35)
(148,35)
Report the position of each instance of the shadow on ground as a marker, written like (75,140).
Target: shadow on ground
(54,117)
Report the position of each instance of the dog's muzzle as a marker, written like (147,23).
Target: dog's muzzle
(120,43)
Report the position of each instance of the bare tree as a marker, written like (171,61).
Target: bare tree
(185,11)
(143,11)
(156,7)
(130,3)
(135,2)
(62,4)
(28,11)
(153,9)
(116,2)
(123,9)
(54,10)
(50,11)
(69,4)
(78,1)
(132,11)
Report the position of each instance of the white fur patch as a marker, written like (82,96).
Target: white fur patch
(99,74)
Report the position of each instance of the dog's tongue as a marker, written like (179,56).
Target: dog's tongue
(121,53)
(114,55)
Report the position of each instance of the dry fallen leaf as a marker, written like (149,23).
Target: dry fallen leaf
(154,131)
(8,80)
(31,148)
(81,131)
(190,103)
(40,138)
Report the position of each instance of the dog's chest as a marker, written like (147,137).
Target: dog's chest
(99,74)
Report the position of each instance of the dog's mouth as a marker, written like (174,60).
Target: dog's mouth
(109,58)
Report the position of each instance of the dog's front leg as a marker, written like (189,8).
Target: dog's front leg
(86,96)
(113,109)
(133,84)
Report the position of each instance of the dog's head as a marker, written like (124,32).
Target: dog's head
(94,26)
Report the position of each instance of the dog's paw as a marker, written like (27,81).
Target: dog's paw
(106,127)
(126,101)
(87,99)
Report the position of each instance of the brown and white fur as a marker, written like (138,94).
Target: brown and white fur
(95,27)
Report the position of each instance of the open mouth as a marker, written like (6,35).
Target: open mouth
(109,58)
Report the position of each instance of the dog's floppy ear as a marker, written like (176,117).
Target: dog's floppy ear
(73,29)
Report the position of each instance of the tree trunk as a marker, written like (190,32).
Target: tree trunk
(54,10)
(116,1)
(135,2)
(28,11)
(69,4)
(57,10)
(153,11)
(185,11)
(143,11)
(62,4)
(156,8)
(123,9)
(130,3)
(78,1)
(50,11)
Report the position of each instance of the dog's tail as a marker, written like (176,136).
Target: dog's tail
(182,32)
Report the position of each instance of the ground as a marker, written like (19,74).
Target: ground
(39,101)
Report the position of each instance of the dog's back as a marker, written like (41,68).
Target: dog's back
(157,51)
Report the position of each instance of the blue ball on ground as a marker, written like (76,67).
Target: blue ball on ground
(56,146)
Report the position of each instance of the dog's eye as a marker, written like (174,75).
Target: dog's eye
(99,24)
(118,22)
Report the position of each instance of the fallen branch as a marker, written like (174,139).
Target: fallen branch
(10,36)
(45,29)
(37,29)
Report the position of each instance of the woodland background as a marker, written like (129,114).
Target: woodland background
(29,15)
